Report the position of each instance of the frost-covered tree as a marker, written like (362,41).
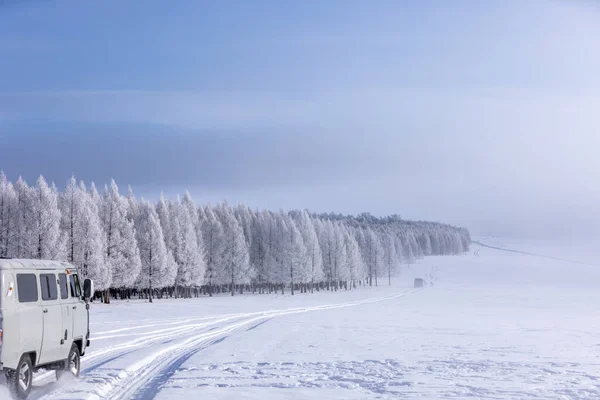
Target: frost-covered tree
(84,236)
(192,210)
(312,271)
(332,244)
(170,272)
(23,237)
(96,199)
(214,241)
(153,251)
(71,204)
(259,248)
(46,240)
(120,247)
(323,235)
(294,254)
(425,243)
(164,216)
(8,216)
(375,255)
(391,258)
(189,258)
(356,266)
(94,264)
(244,216)
(133,207)
(276,253)
(235,258)
(339,257)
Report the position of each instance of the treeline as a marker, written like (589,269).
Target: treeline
(175,248)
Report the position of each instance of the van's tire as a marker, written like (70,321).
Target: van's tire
(19,381)
(72,365)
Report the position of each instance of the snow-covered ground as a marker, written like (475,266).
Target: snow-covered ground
(496,324)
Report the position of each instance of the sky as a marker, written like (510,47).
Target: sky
(479,114)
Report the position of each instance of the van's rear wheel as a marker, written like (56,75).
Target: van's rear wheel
(20,380)
(72,365)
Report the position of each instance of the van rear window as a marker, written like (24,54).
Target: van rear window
(27,288)
(48,285)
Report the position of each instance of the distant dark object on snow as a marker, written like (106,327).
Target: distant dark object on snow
(419,283)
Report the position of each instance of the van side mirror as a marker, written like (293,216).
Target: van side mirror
(88,289)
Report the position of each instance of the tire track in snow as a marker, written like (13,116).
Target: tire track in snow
(151,389)
(177,321)
(533,254)
(104,356)
(190,347)
(143,377)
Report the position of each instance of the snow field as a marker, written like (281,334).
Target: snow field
(496,325)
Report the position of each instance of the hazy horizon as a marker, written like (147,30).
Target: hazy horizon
(477,115)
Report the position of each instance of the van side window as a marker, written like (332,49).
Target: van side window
(64,286)
(27,288)
(74,283)
(48,285)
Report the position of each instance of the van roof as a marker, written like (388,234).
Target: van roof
(17,263)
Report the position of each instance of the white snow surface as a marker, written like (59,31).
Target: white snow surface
(496,324)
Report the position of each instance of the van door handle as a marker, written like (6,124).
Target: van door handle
(74,307)
(45,311)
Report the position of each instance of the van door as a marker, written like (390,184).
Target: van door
(31,323)
(65,304)
(51,343)
(80,316)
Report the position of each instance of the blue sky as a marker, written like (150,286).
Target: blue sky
(476,113)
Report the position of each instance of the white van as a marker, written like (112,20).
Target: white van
(44,320)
